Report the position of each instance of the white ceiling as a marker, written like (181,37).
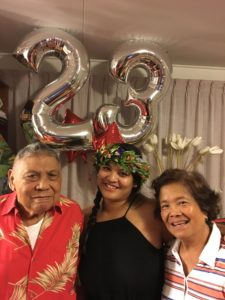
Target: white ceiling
(193,31)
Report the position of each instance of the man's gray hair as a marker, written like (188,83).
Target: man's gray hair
(35,149)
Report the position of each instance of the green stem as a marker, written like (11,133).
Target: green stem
(170,158)
(158,161)
(194,162)
(187,157)
(177,158)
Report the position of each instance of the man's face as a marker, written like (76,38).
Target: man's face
(37,182)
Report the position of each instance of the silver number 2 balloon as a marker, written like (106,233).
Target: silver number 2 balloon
(75,71)
(154,60)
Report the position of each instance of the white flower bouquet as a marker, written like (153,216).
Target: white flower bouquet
(178,152)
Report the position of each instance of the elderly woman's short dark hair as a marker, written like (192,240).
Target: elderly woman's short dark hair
(207,199)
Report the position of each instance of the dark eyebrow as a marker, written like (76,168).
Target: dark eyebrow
(31,171)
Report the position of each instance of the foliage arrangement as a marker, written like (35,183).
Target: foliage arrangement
(6,161)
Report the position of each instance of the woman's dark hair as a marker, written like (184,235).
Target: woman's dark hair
(98,197)
(91,221)
(207,199)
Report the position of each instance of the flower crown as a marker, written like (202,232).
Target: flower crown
(129,161)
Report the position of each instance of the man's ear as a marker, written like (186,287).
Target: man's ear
(11,179)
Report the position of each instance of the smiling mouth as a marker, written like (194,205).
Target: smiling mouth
(179,223)
(110,186)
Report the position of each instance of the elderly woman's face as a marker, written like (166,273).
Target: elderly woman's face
(180,212)
(37,182)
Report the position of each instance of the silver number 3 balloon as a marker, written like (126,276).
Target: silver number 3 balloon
(155,61)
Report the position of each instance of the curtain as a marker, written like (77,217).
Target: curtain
(190,108)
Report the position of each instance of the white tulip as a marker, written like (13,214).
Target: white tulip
(153,139)
(173,138)
(148,148)
(183,143)
(215,150)
(180,144)
(196,141)
(174,146)
(204,150)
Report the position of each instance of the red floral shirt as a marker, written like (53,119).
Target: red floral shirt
(49,270)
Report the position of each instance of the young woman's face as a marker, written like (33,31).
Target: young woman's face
(114,183)
(180,212)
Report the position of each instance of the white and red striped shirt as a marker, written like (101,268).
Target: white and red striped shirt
(205,281)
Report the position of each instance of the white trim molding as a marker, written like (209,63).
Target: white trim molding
(8,62)
(198,72)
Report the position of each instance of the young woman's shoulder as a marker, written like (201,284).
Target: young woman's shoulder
(146,204)
(143,216)
(148,209)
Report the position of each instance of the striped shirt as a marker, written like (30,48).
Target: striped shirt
(205,281)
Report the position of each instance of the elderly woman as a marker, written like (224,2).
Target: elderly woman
(194,267)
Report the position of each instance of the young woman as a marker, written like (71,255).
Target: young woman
(122,253)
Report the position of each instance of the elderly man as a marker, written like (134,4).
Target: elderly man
(39,230)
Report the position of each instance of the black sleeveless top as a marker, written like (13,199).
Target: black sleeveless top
(120,264)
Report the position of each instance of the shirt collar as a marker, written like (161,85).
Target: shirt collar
(9,204)
(210,251)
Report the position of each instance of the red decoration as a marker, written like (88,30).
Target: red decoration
(71,118)
(220,221)
(110,136)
